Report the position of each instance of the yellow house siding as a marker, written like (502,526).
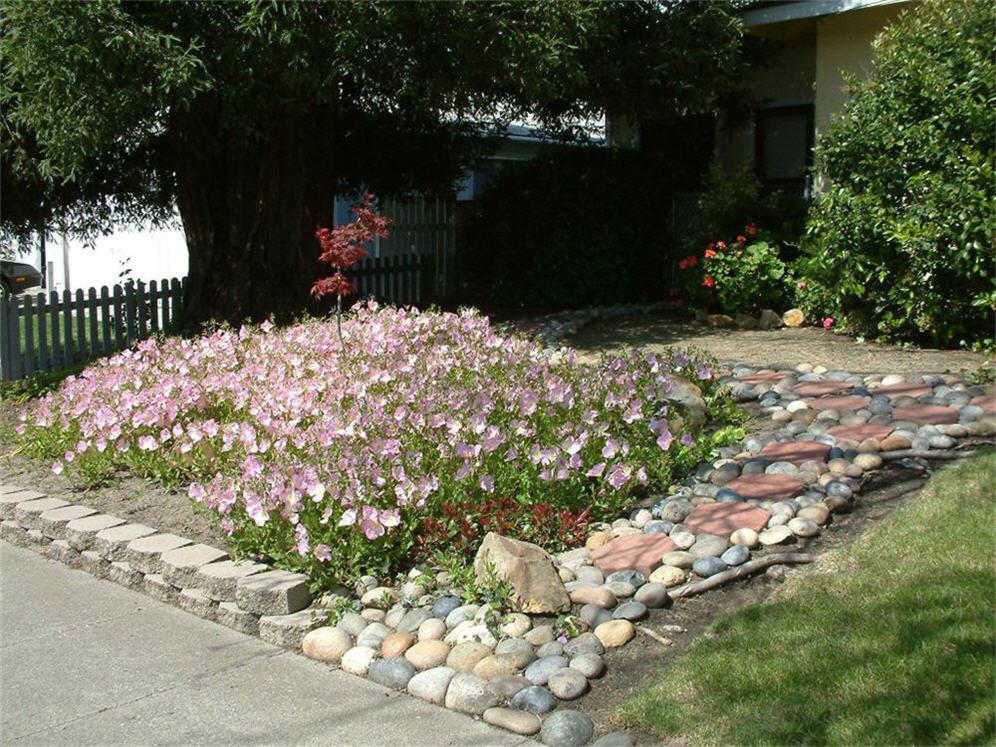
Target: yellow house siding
(844,43)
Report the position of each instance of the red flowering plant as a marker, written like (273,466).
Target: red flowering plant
(342,248)
(744,275)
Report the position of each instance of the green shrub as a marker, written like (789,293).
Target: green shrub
(571,227)
(903,240)
(744,276)
(733,199)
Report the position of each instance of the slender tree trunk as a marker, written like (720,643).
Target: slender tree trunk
(250,207)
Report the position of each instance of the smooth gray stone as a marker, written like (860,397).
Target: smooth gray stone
(586,643)
(552,648)
(590,665)
(534,699)
(445,605)
(540,670)
(630,576)
(412,620)
(566,728)
(653,595)
(735,555)
(631,611)
(657,526)
(594,615)
(708,566)
(393,673)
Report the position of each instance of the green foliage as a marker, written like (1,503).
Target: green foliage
(571,227)
(903,240)
(744,276)
(887,641)
(115,112)
(734,199)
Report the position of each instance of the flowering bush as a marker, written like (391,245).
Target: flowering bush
(745,275)
(334,466)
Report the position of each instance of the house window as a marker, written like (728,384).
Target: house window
(783,148)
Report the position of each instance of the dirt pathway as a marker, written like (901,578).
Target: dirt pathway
(781,348)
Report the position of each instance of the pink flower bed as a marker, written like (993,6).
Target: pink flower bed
(328,464)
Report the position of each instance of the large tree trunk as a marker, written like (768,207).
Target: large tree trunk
(250,206)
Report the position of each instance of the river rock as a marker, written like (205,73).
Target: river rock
(431,685)
(540,670)
(597,539)
(373,635)
(678,559)
(517,649)
(428,654)
(631,611)
(709,565)
(380,598)
(802,527)
(393,673)
(708,544)
(357,660)
(326,644)
(396,644)
(432,629)
(516,625)
(593,595)
(534,699)
(567,728)
(515,721)
(653,595)
(669,575)
(735,555)
(615,633)
(464,656)
(746,537)
(589,574)
(594,615)
(470,694)
(775,536)
(590,665)
(586,643)
(567,684)
(539,635)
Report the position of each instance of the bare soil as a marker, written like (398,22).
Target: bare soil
(782,348)
(635,666)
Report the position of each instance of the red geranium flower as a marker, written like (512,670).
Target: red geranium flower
(741,239)
(709,282)
(751,229)
(709,254)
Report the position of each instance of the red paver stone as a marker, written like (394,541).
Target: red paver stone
(820,388)
(796,452)
(903,389)
(765,378)
(859,432)
(640,551)
(925,414)
(723,519)
(986,402)
(774,487)
(841,404)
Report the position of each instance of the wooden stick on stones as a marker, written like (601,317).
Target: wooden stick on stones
(752,566)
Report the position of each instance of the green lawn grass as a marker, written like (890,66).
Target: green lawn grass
(888,641)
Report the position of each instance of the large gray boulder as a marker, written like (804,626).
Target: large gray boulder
(528,569)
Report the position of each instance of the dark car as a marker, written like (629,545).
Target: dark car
(17,277)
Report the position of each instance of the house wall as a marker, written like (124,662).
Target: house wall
(808,68)
(787,81)
(844,43)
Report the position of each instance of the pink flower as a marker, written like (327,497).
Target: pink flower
(828,322)
(323,553)
(801,284)
(57,468)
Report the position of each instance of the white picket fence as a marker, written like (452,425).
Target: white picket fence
(48,332)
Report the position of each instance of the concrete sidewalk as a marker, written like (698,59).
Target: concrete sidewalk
(85,661)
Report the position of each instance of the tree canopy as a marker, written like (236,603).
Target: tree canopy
(248,117)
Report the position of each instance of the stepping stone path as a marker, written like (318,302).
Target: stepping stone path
(522,673)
